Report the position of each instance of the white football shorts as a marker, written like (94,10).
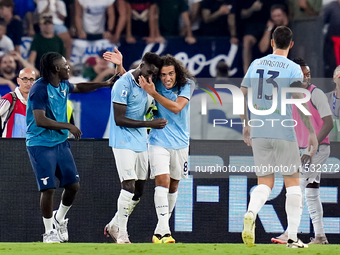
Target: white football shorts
(275,156)
(168,161)
(131,165)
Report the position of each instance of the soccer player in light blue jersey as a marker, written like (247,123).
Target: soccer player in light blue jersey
(128,139)
(46,140)
(168,147)
(274,145)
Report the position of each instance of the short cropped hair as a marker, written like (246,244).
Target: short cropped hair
(152,59)
(282,37)
(300,61)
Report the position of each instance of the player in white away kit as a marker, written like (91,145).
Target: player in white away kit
(128,140)
(169,147)
(310,177)
(274,144)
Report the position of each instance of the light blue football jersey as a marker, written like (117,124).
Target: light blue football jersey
(175,135)
(53,100)
(262,76)
(126,91)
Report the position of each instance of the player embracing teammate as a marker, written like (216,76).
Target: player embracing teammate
(170,84)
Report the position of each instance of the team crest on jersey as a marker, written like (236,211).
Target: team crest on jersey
(124,93)
(64,92)
(44,180)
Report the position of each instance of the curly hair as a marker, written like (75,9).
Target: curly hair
(182,73)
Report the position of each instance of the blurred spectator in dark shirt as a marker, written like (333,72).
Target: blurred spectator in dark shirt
(24,9)
(70,19)
(169,14)
(45,41)
(121,13)
(57,9)
(278,17)
(222,73)
(219,19)
(254,16)
(14,26)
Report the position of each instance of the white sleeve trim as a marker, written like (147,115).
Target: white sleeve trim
(320,101)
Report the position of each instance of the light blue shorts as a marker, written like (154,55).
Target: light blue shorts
(59,29)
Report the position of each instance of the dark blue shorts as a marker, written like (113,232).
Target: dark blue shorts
(51,162)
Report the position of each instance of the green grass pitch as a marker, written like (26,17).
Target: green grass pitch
(163,249)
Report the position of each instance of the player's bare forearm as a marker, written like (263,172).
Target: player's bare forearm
(306,119)
(173,106)
(245,118)
(42,121)
(326,128)
(84,87)
(130,123)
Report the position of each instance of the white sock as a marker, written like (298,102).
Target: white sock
(293,210)
(258,198)
(48,223)
(162,210)
(172,197)
(61,213)
(123,205)
(315,210)
(114,220)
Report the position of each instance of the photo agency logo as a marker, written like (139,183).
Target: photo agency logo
(238,101)
(204,98)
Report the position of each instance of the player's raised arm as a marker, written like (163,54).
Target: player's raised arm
(116,58)
(83,87)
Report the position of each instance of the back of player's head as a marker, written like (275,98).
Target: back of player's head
(222,69)
(300,61)
(152,59)
(47,64)
(282,37)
